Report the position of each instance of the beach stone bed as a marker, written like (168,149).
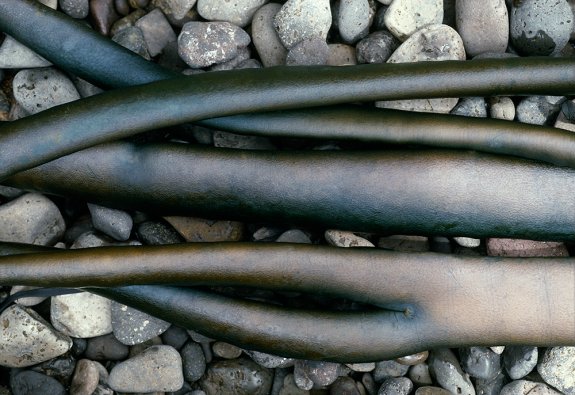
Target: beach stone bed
(85,344)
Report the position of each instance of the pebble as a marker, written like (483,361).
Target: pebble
(361,367)
(405,17)
(497,349)
(91,239)
(432,391)
(431,43)
(193,361)
(103,15)
(14,55)
(157,31)
(413,359)
(345,386)
(294,236)
(122,7)
(132,38)
(226,350)
(340,238)
(341,55)
(139,348)
(483,26)
(157,232)
(519,361)
(50,3)
(29,382)
(315,374)
(61,368)
(106,347)
(265,38)
(202,44)
(557,368)
(308,52)
(131,326)
(467,242)
(270,361)
(354,18)
(239,12)
(32,218)
(158,368)
(404,243)
(501,107)
(81,315)
(443,365)
(301,19)
(480,362)
(539,110)
(75,8)
(419,374)
(84,88)
(205,230)
(289,387)
(540,27)
(30,301)
(491,386)
(86,378)
(239,141)
(525,387)
(243,55)
(525,248)
(175,10)
(175,336)
(27,339)
(377,47)
(387,369)
(37,90)
(471,107)
(250,378)
(566,117)
(396,386)
(112,222)
(127,21)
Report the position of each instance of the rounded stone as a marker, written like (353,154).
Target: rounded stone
(483,26)
(238,12)
(376,47)
(388,369)
(175,336)
(519,360)
(85,379)
(340,238)
(419,374)
(103,15)
(14,55)
(557,368)
(106,347)
(396,386)
(470,107)
(30,383)
(444,366)
(501,108)
(205,230)
(270,361)
(491,386)
(345,386)
(405,17)
(353,20)
(540,27)
(341,55)
(37,90)
(361,367)
(413,359)
(265,38)
(131,326)
(250,378)
(308,52)
(480,362)
(315,374)
(525,387)
(158,368)
(156,232)
(539,110)
(112,222)
(157,31)
(301,19)
(78,9)
(294,236)
(31,218)
(193,361)
(202,44)
(226,350)
(81,315)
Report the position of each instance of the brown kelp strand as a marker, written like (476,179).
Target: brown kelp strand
(422,311)
(448,193)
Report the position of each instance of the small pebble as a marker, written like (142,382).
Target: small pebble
(122,7)
(14,55)
(539,110)
(413,359)
(519,361)
(525,387)
(175,336)
(157,31)
(419,374)
(353,20)
(443,365)
(33,383)
(289,387)
(32,218)
(250,378)
(103,15)
(501,107)
(404,243)
(341,55)
(540,27)
(480,362)
(525,248)
(308,52)
(315,374)
(405,17)
(396,386)
(158,232)
(91,239)
(114,223)
(193,361)
(340,238)
(557,368)
(497,349)
(226,350)
(566,117)
(81,315)
(132,326)
(377,47)
(75,8)
(159,368)
(298,20)
(132,38)
(483,26)
(27,339)
(175,10)
(387,369)
(294,236)
(471,107)
(31,301)
(37,90)
(270,361)
(361,367)
(107,347)
(205,230)
(467,242)
(240,12)
(265,38)
(86,378)
(202,44)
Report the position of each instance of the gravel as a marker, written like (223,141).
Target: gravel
(90,346)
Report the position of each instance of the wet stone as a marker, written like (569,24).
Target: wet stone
(106,347)
(539,110)
(557,368)
(103,15)
(315,374)
(353,20)
(239,12)
(132,326)
(86,378)
(202,44)
(340,238)
(294,236)
(81,315)
(298,20)
(525,387)
(226,350)
(193,361)
(443,365)
(205,230)
(483,26)
(157,31)
(37,90)
(269,361)
(471,107)
(265,38)
(31,218)
(112,222)
(27,339)
(377,47)
(75,8)
(308,52)
(480,362)
(14,55)
(388,369)
(525,248)
(251,379)
(419,374)
(519,360)
(33,383)
(133,39)
(159,368)
(396,386)
(156,232)
(405,17)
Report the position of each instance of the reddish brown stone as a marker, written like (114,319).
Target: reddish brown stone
(525,248)
(103,15)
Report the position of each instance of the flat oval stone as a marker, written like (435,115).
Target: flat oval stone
(106,347)
(205,230)
(445,367)
(270,361)
(388,369)
(29,382)
(193,361)
(113,222)
(265,38)
(238,12)
(81,315)
(557,368)
(361,367)
(419,374)
(27,339)
(131,326)
(14,55)
(519,360)
(483,25)
(428,390)
(86,378)
(31,218)
(315,374)
(405,17)
(250,378)
(353,20)
(525,387)
(156,232)
(226,350)
(396,386)
(301,19)
(377,47)
(340,238)
(158,368)
(413,359)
